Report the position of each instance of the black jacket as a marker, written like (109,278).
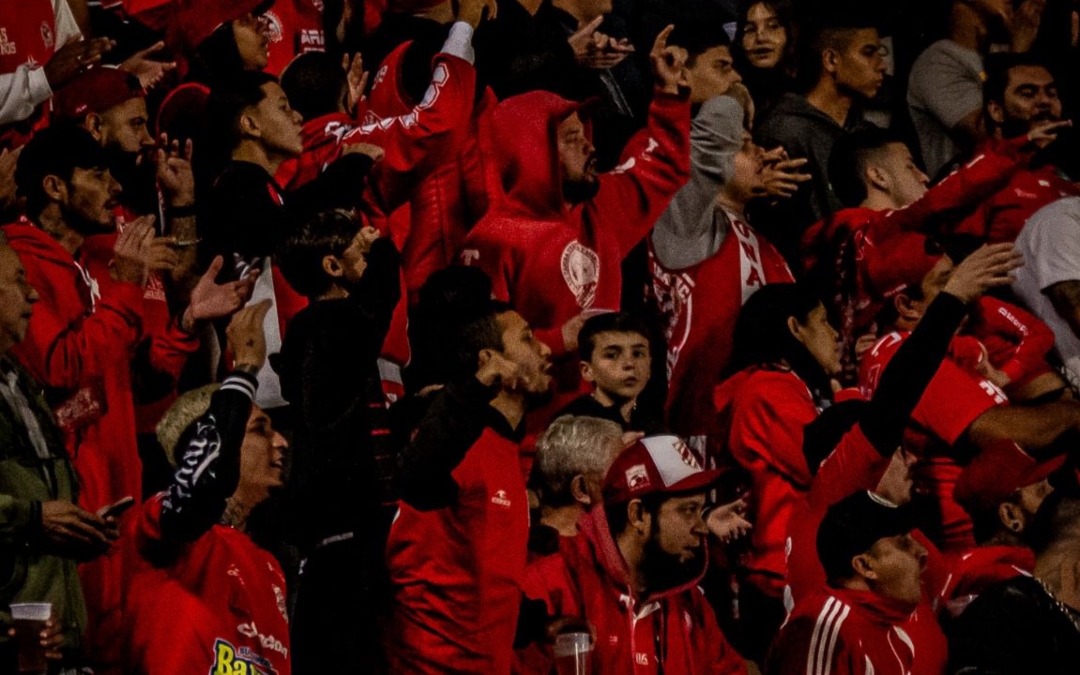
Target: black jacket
(1015,628)
(343,459)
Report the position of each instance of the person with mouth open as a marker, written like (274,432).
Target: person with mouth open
(205,597)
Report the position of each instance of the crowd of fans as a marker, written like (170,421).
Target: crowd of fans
(403,336)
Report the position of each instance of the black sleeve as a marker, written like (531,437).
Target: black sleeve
(451,426)
(910,372)
(209,465)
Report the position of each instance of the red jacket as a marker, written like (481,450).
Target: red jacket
(458,570)
(973,571)
(214,605)
(673,632)
(700,305)
(1000,217)
(844,632)
(79,345)
(768,411)
(29,38)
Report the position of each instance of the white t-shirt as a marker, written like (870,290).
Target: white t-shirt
(1050,243)
(945,86)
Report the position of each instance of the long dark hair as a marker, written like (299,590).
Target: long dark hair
(785,14)
(763,339)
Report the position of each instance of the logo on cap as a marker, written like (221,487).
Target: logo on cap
(637,477)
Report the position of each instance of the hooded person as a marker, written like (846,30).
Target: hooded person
(554,241)
(634,568)
(702,241)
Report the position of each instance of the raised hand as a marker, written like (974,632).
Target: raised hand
(668,63)
(357,79)
(726,522)
(780,174)
(1043,134)
(472,12)
(74,58)
(211,300)
(149,71)
(174,173)
(989,267)
(497,370)
(138,250)
(595,50)
(246,338)
(1024,24)
(75,531)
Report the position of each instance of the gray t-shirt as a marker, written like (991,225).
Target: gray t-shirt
(1050,243)
(945,87)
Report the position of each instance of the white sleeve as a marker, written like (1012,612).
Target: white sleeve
(459,42)
(21,92)
(66,28)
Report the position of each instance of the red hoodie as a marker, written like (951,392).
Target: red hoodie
(553,260)
(673,632)
(294,27)
(768,410)
(1016,341)
(79,346)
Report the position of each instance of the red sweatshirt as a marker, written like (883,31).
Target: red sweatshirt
(27,37)
(294,27)
(673,632)
(1001,216)
(1016,341)
(553,260)
(458,570)
(768,411)
(954,399)
(79,345)
(214,605)
(700,305)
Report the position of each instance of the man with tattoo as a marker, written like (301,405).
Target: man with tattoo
(205,597)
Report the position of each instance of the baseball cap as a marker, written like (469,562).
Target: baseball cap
(902,260)
(656,464)
(853,525)
(195,20)
(998,472)
(95,91)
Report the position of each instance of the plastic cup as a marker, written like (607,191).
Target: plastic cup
(29,619)
(572,653)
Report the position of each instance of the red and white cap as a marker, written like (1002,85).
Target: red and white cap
(656,464)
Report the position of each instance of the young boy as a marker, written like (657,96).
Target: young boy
(615,359)
(339,494)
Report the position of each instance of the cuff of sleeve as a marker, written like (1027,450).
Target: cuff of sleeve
(40,91)
(242,382)
(949,304)
(459,42)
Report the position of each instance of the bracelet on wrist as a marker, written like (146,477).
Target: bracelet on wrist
(185,211)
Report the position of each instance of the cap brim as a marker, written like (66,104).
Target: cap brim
(699,481)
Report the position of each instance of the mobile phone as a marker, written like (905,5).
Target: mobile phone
(117,509)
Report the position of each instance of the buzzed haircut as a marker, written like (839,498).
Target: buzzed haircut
(476,329)
(315,84)
(698,33)
(609,322)
(832,29)
(300,255)
(851,155)
(227,105)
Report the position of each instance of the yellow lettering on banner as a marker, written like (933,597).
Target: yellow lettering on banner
(224,656)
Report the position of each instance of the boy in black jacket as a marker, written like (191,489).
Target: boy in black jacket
(340,492)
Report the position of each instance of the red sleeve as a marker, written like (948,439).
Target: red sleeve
(854,465)
(170,348)
(720,657)
(63,354)
(806,643)
(953,400)
(633,196)
(414,141)
(957,194)
(1017,341)
(768,422)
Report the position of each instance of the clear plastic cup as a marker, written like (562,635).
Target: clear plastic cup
(29,619)
(572,653)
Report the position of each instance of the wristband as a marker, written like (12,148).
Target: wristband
(186,211)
